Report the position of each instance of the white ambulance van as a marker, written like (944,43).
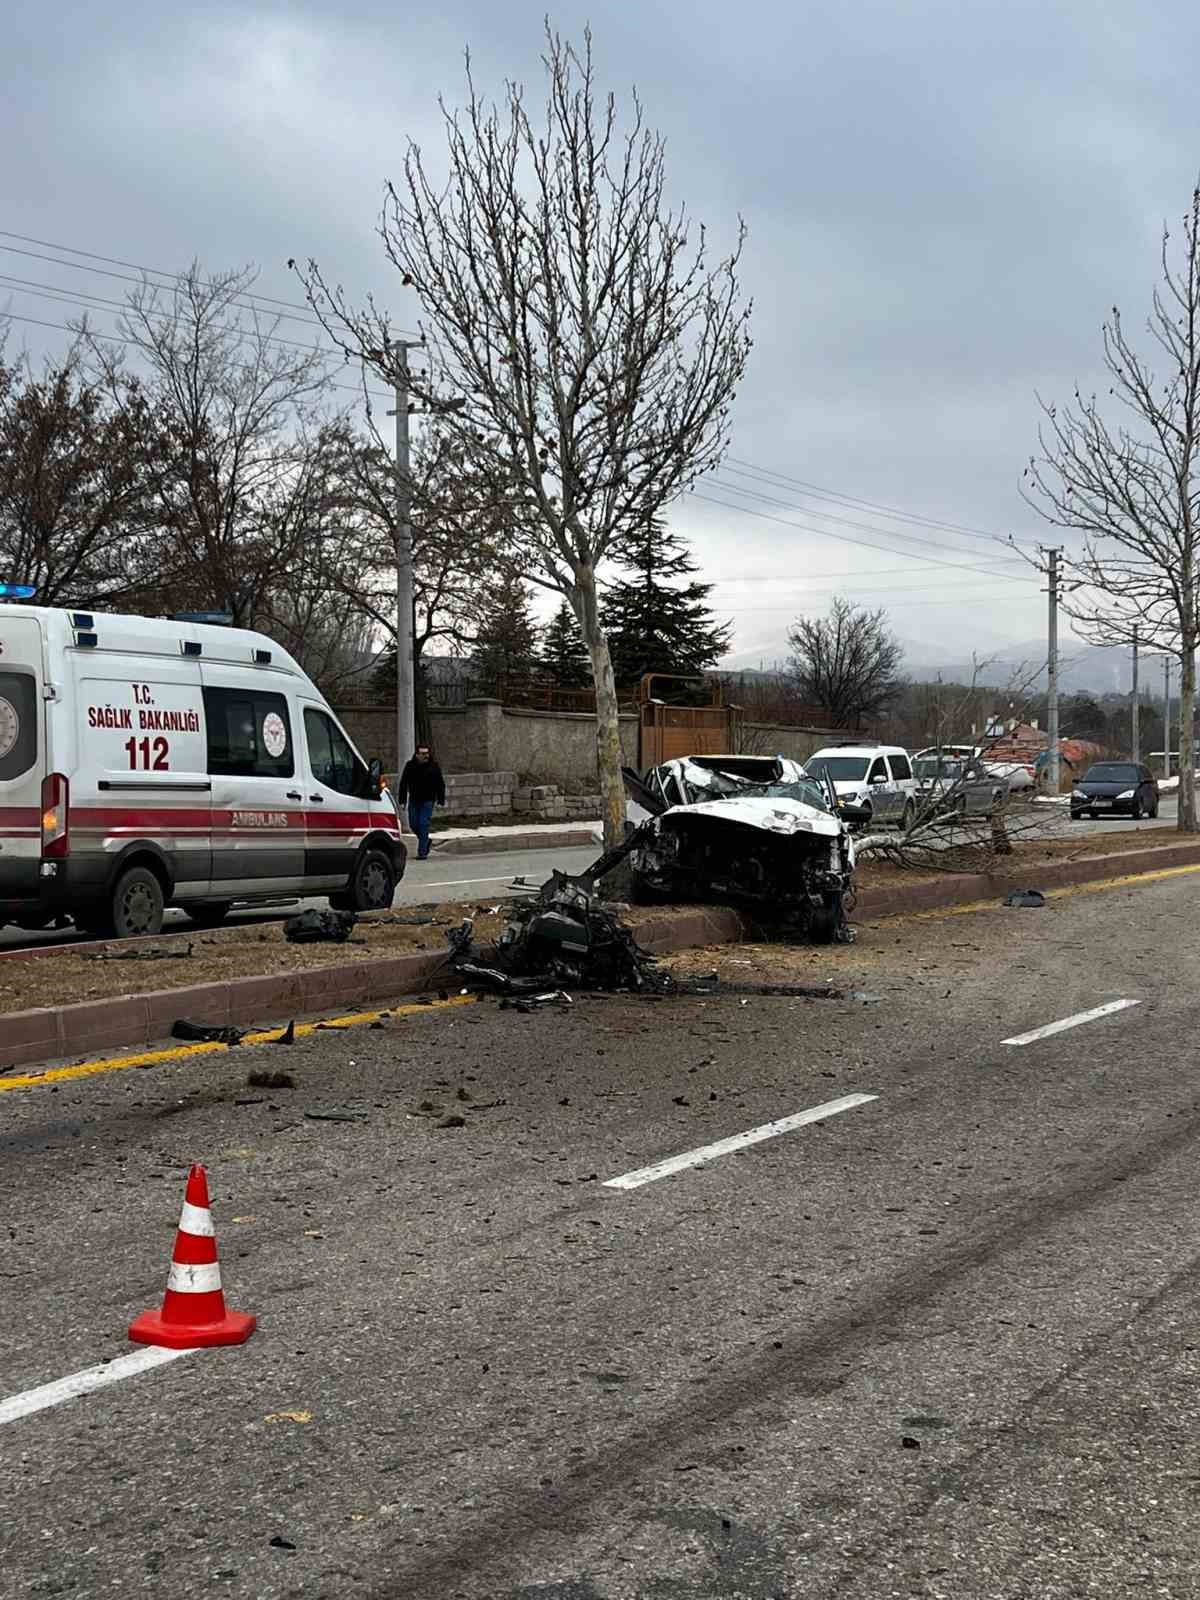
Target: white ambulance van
(147,763)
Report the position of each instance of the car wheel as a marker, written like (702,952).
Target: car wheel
(137,904)
(906,821)
(824,922)
(207,913)
(1077,816)
(372,883)
(1154,809)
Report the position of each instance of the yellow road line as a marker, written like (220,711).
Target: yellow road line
(186,1052)
(1067,890)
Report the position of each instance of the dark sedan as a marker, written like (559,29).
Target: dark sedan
(1115,788)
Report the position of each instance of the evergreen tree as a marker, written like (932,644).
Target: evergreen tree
(564,654)
(506,641)
(654,621)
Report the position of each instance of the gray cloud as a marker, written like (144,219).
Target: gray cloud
(943,200)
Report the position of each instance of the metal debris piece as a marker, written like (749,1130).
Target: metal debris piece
(1025,897)
(561,936)
(337,1116)
(207,1033)
(319,927)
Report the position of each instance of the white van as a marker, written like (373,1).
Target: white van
(147,762)
(878,777)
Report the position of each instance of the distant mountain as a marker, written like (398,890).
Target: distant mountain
(1098,669)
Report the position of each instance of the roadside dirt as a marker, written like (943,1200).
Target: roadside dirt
(255,950)
(1027,853)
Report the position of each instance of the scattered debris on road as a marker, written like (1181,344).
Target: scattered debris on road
(320,927)
(1025,897)
(270,1080)
(207,1033)
(563,934)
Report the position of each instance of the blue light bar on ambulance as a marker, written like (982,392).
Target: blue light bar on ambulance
(221,619)
(17,591)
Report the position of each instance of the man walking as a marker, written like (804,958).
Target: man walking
(422,785)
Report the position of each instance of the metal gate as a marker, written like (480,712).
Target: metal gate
(669,730)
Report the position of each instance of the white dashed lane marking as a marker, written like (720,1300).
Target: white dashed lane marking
(737,1141)
(1071,1022)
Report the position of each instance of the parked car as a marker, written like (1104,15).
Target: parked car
(1018,773)
(757,831)
(1115,788)
(955,786)
(876,777)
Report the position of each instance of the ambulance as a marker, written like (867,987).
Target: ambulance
(148,762)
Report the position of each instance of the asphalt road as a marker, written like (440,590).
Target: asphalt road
(942,1343)
(439,878)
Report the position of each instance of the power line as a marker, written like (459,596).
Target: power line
(734,462)
(48,291)
(844,538)
(116,338)
(177,277)
(735,611)
(850,522)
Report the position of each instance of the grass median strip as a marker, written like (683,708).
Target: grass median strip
(186,1052)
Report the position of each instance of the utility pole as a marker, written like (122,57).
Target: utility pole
(1137,751)
(1166,716)
(395,355)
(1052,769)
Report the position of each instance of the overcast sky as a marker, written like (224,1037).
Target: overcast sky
(943,200)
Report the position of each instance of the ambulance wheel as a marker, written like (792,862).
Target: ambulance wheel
(207,913)
(372,884)
(137,904)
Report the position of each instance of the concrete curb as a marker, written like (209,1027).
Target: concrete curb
(566,838)
(50,1032)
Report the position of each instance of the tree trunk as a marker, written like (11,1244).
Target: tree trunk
(1187,743)
(608,727)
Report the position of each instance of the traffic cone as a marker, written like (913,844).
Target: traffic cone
(193,1309)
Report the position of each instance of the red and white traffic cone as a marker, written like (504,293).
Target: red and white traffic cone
(193,1309)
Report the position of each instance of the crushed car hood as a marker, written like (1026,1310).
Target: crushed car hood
(773,816)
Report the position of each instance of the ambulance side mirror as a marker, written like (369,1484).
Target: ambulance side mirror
(376,772)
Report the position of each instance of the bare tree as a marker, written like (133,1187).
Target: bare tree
(596,348)
(848,663)
(242,414)
(1133,491)
(454,537)
(78,481)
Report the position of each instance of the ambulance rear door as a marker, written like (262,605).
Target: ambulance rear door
(22,760)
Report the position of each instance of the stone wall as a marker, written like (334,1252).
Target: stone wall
(555,747)
(542,747)
(479,794)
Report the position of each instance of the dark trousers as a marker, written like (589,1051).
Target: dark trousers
(420,815)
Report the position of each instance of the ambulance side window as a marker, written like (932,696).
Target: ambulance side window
(331,759)
(249,734)
(18,723)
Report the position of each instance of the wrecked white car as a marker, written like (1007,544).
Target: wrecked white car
(755,831)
